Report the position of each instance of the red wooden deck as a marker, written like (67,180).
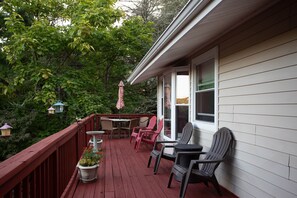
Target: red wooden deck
(124,173)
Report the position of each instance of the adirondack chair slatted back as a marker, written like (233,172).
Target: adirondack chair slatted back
(152,123)
(143,121)
(149,138)
(158,131)
(220,145)
(186,134)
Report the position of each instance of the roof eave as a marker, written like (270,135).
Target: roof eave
(190,10)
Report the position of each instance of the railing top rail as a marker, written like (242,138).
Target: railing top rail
(28,159)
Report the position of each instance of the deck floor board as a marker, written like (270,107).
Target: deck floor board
(124,174)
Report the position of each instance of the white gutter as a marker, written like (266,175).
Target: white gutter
(173,33)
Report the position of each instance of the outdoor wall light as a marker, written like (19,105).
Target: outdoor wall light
(59,107)
(5,130)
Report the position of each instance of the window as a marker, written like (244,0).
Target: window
(205,91)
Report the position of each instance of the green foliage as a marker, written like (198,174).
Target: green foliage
(64,50)
(161,12)
(89,158)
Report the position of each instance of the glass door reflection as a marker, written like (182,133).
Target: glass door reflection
(182,102)
(167,105)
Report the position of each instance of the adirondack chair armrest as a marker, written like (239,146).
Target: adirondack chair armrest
(164,144)
(147,133)
(206,161)
(167,146)
(179,153)
(145,130)
(165,141)
(194,164)
(137,128)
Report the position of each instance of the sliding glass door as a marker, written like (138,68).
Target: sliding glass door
(182,101)
(176,92)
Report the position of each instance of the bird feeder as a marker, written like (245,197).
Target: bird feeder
(51,110)
(5,130)
(59,107)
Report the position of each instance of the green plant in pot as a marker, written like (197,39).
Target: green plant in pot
(88,164)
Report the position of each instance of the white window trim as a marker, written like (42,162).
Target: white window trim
(211,54)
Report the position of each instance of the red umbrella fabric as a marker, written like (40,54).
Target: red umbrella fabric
(120,103)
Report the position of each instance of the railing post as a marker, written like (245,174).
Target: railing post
(56,172)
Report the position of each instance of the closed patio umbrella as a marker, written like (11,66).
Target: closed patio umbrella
(120,103)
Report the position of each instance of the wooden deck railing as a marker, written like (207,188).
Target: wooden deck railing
(48,168)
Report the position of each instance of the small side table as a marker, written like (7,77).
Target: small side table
(94,133)
(185,160)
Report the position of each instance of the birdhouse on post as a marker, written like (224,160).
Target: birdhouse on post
(5,130)
(51,110)
(59,107)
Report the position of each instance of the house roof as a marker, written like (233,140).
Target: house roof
(197,24)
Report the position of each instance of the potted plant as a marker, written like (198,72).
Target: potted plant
(88,164)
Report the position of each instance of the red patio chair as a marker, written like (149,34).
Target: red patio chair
(150,127)
(148,136)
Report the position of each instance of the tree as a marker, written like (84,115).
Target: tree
(161,12)
(64,50)
(169,10)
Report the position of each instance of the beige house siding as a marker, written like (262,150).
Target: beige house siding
(258,102)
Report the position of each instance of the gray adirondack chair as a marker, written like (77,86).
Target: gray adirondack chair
(221,143)
(159,154)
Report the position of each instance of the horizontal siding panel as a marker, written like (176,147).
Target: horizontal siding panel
(274,54)
(277,133)
(226,108)
(250,183)
(270,87)
(268,165)
(204,138)
(275,110)
(273,98)
(252,28)
(269,32)
(278,145)
(272,70)
(293,174)
(205,143)
(273,121)
(293,161)
(245,128)
(226,117)
(272,23)
(268,154)
(241,193)
(281,187)
(248,188)
(244,137)
(224,177)
(253,179)
(263,46)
